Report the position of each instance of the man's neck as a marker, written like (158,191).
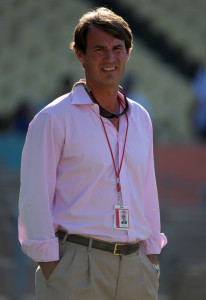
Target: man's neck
(106,97)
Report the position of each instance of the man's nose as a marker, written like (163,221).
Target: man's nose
(109,55)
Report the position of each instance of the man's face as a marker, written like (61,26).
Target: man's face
(104,60)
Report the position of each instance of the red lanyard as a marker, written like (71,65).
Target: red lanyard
(117,172)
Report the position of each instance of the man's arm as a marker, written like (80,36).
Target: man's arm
(156,240)
(40,157)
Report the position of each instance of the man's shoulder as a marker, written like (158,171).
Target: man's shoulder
(54,112)
(58,105)
(138,108)
(139,116)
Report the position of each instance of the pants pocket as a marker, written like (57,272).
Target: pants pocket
(149,264)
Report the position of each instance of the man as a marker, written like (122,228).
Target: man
(124,219)
(88,157)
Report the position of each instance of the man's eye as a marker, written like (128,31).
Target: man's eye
(118,48)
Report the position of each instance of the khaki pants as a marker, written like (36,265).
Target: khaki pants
(89,274)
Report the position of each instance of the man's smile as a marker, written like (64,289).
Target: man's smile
(109,69)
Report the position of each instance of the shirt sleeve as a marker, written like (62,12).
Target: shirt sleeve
(157,240)
(40,156)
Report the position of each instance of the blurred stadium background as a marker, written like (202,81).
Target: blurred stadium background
(37,66)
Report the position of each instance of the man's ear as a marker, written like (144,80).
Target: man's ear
(80,55)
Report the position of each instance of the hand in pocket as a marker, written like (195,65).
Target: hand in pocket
(48,267)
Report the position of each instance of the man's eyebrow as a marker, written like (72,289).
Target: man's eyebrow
(103,46)
(98,46)
(119,45)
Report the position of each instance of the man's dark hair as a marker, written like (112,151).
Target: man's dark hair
(106,20)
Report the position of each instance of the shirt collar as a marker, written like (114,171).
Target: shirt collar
(80,96)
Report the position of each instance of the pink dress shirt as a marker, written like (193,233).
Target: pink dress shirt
(68,179)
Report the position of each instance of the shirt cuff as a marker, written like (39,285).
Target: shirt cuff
(154,245)
(41,251)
